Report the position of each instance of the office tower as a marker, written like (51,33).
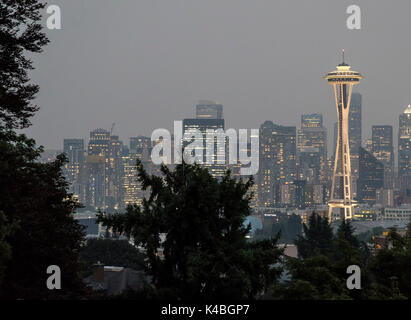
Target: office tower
(95,181)
(105,150)
(371,177)
(132,189)
(314,120)
(404,150)
(313,136)
(204,124)
(114,173)
(206,109)
(235,169)
(355,133)
(141,146)
(277,161)
(355,123)
(99,142)
(385,197)
(383,150)
(310,164)
(74,151)
(300,194)
(343,79)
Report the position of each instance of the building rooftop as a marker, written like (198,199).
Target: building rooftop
(408,109)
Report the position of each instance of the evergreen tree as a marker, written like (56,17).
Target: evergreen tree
(36,226)
(317,238)
(391,266)
(294,227)
(20,33)
(206,254)
(314,278)
(110,252)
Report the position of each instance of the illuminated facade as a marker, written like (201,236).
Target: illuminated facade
(277,161)
(74,150)
(404,143)
(312,137)
(343,79)
(404,150)
(201,124)
(383,150)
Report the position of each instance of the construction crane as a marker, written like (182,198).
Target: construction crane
(112,128)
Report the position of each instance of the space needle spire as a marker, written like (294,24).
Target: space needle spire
(343,79)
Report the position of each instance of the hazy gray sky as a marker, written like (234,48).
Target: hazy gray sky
(144,63)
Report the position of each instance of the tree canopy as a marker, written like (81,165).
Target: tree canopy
(36,224)
(205,252)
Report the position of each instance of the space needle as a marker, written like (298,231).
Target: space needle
(341,203)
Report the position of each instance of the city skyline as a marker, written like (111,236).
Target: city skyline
(254,67)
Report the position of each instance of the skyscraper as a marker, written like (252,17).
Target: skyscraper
(103,186)
(404,143)
(204,124)
(114,173)
(73,169)
(355,132)
(277,161)
(309,164)
(313,137)
(343,79)
(95,181)
(383,150)
(206,109)
(99,142)
(371,177)
(140,148)
(74,150)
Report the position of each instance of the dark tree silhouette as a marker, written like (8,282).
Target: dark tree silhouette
(206,254)
(36,224)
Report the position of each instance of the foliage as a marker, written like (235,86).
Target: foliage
(110,252)
(368,235)
(34,196)
(205,250)
(317,239)
(320,272)
(391,266)
(37,227)
(20,33)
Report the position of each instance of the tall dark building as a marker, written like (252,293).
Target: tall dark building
(404,143)
(300,193)
(103,170)
(355,133)
(404,151)
(99,142)
(141,146)
(309,165)
(206,109)
(73,169)
(277,161)
(74,150)
(371,177)
(313,135)
(383,150)
(355,123)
